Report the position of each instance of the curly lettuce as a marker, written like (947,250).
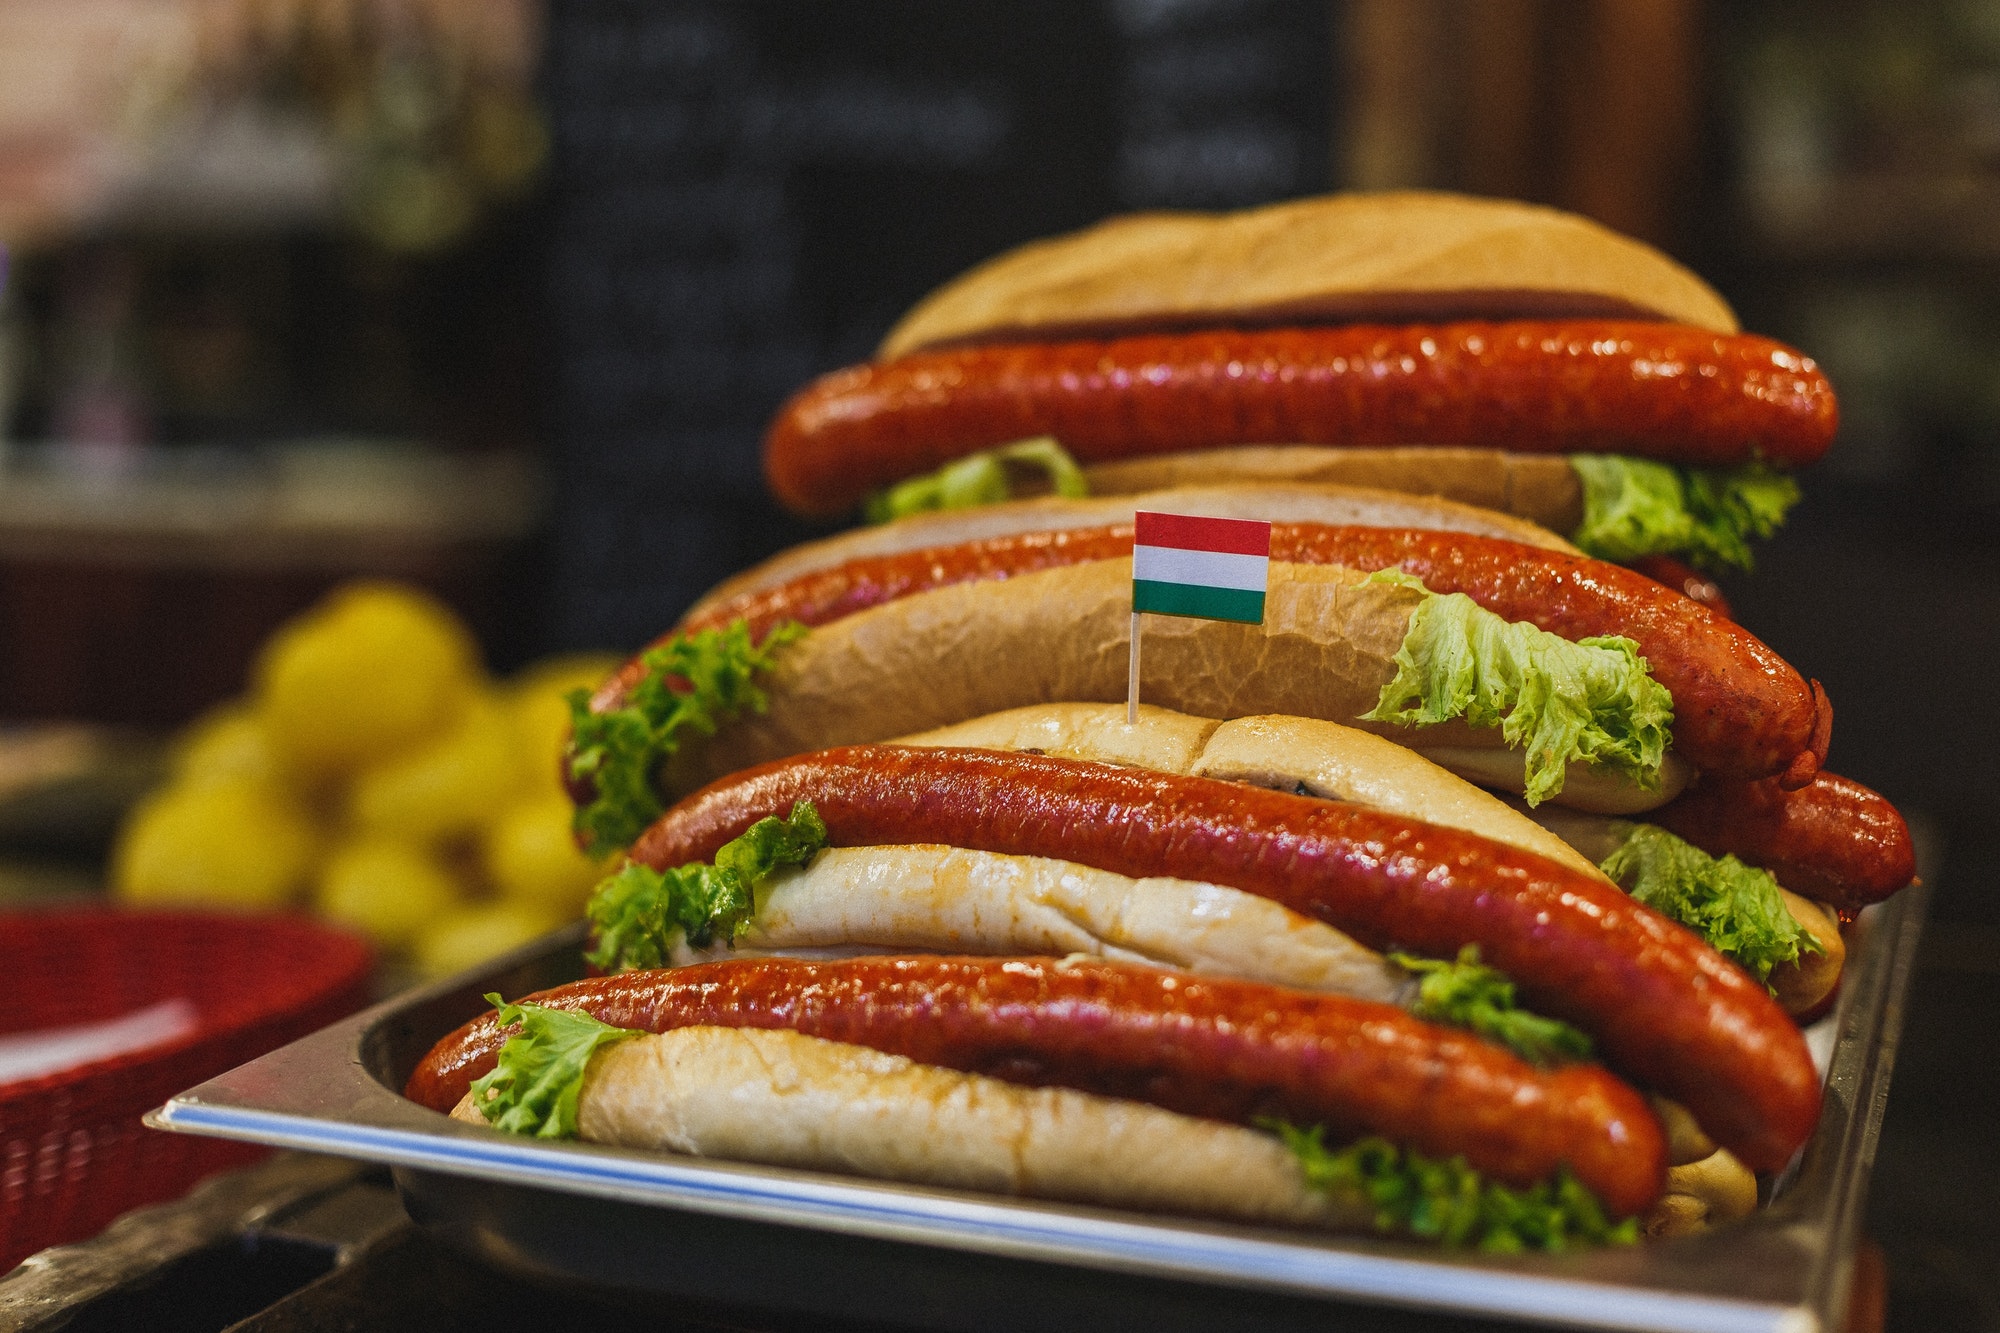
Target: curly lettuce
(534,1088)
(1590,701)
(1466,993)
(978,479)
(1736,908)
(1635,507)
(636,914)
(692,684)
(1449,1202)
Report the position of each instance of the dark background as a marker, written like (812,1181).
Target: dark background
(747,195)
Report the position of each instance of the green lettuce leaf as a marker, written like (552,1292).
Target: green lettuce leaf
(636,914)
(978,479)
(1735,907)
(1468,994)
(1449,1202)
(1634,507)
(620,752)
(1588,701)
(533,1089)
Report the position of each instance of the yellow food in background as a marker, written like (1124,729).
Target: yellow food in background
(446,787)
(230,741)
(474,934)
(532,858)
(373,670)
(229,841)
(387,889)
(376,775)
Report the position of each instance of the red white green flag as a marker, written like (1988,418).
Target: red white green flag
(1211,568)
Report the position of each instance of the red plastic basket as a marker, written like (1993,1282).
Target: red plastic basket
(73,1154)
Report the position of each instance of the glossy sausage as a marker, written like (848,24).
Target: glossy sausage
(1227,1050)
(1739,708)
(1662,1005)
(1834,840)
(1664,391)
(825,595)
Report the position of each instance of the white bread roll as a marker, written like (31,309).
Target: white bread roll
(1391,258)
(1541,488)
(1700,1195)
(1325,649)
(780,1098)
(1320,758)
(1273,501)
(936,899)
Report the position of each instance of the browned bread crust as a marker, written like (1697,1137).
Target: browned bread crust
(1393,257)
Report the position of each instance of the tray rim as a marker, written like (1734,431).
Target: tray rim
(318,1095)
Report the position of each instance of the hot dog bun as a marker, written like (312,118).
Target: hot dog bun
(928,898)
(1344,258)
(1316,757)
(1541,488)
(1325,649)
(1326,759)
(780,1097)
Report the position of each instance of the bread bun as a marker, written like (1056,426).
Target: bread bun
(1803,985)
(926,898)
(1309,755)
(1701,1195)
(1344,258)
(785,1099)
(1541,488)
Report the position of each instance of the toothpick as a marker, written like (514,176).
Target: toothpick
(1132,678)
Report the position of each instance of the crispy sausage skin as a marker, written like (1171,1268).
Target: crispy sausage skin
(826,595)
(1663,1006)
(1834,840)
(1658,390)
(1739,708)
(1229,1050)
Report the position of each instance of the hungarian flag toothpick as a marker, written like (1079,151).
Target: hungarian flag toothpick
(1208,568)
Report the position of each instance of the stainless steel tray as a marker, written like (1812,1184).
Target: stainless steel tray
(862,1249)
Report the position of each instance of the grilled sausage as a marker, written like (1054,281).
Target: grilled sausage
(1658,390)
(1834,840)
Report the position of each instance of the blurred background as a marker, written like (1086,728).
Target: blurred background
(492,299)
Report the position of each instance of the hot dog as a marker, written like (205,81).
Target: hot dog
(914,639)
(1576,946)
(1216,1049)
(938,897)
(1526,386)
(1418,341)
(1339,763)
(1737,704)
